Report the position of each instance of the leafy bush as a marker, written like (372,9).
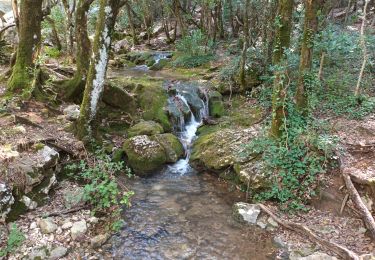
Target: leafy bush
(102,189)
(15,240)
(194,50)
(296,162)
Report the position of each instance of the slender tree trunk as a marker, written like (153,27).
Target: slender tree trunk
(282,41)
(55,34)
(86,126)
(245,46)
(69,10)
(29,45)
(309,29)
(131,23)
(364,49)
(73,89)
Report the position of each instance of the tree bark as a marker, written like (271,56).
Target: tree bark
(309,29)
(86,125)
(29,44)
(246,40)
(282,41)
(69,10)
(73,89)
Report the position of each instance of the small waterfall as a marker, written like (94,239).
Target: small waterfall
(160,56)
(187,136)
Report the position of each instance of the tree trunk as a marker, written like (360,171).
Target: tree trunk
(282,41)
(29,45)
(73,89)
(309,29)
(108,12)
(55,35)
(131,23)
(69,10)
(246,40)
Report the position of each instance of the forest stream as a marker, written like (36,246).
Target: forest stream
(179,213)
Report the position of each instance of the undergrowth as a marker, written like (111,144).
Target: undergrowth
(15,240)
(101,189)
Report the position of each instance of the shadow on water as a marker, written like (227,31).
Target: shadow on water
(178,213)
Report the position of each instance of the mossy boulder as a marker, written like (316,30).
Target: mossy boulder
(224,149)
(215,104)
(153,101)
(145,128)
(118,97)
(160,65)
(144,154)
(172,146)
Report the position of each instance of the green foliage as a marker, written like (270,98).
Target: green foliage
(101,189)
(296,162)
(52,52)
(194,50)
(15,240)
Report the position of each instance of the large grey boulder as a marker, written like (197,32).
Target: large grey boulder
(6,200)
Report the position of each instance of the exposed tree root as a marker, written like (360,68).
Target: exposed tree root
(303,230)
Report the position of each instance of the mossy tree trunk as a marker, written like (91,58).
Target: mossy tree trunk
(309,29)
(282,41)
(86,126)
(73,89)
(131,23)
(29,45)
(69,7)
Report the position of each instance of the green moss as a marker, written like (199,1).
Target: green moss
(145,128)
(160,65)
(217,108)
(172,146)
(144,155)
(38,146)
(20,79)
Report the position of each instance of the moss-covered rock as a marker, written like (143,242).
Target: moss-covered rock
(172,146)
(160,65)
(144,154)
(145,128)
(119,98)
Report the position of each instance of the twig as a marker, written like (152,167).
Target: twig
(344,203)
(303,230)
(25,121)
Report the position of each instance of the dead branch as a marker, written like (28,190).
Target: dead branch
(64,212)
(354,195)
(305,231)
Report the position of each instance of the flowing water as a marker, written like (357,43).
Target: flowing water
(180,214)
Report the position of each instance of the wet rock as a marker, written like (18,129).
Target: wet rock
(145,128)
(58,253)
(318,256)
(144,154)
(160,65)
(6,200)
(246,213)
(47,226)
(98,240)
(172,146)
(30,204)
(118,97)
(71,112)
(78,229)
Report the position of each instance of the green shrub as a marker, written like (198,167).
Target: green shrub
(295,163)
(102,189)
(15,240)
(194,50)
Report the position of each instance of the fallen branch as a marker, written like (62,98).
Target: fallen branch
(25,121)
(64,212)
(303,230)
(354,195)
